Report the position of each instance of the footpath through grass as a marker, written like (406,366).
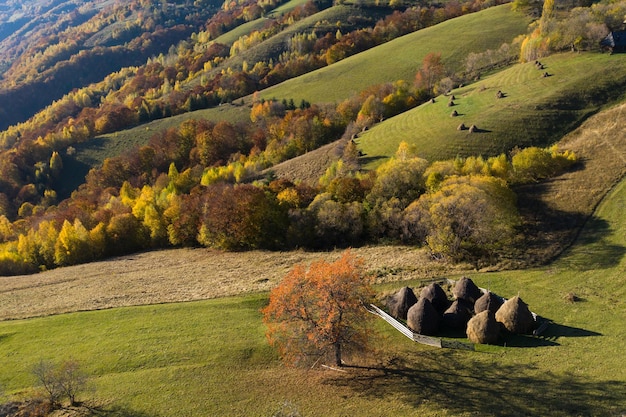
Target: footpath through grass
(211,357)
(534,110)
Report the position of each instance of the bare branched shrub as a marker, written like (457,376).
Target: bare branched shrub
(59,381)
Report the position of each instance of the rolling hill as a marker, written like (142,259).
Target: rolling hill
(179,332)
(535,110)
(401,58)
(153,359)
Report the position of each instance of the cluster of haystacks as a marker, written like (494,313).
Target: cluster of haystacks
(481,314)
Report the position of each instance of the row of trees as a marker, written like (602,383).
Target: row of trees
(581,28)
(442,205)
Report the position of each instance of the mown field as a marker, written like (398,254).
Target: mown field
(211,358)
(535,110)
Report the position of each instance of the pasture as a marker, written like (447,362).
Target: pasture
(534,110)
(210,357)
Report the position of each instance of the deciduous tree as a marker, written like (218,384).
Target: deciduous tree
(319,311)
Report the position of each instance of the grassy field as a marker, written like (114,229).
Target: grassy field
(535,110)
(210,357)
(400,58)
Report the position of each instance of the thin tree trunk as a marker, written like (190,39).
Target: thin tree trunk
(338,354)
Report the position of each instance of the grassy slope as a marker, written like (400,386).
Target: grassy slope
(210,357)
(535,110)
(455,38)
(400,58)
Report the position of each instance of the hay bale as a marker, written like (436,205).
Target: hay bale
(461,127)
(437,297)
(515,316)
(473,129)
(422,318)
(483,328)
(450,103)
(465,289)
(432,101)
(454,114)
(452,97)
(457,315)
(488,301)
(398,304)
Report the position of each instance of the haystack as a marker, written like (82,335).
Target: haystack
(515,316)
(399,303)
(461,127)
(473,129)
(454,113)
(437,297)
(465,289)
(483,328)
(422,318)
(488,301)
(457,315)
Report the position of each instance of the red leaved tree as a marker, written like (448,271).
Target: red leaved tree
(319,312)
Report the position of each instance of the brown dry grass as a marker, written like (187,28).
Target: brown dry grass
(310,166)
(184,275)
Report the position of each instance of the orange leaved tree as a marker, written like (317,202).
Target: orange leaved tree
(319,312)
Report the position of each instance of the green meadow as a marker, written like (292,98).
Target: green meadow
(211,357)
(534,111)
(400,58)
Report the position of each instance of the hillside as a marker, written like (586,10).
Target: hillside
(535,110)
(400,59)
(151,359)
(167,332)
(555,210)
(460,37)
(168,155)
(51,48)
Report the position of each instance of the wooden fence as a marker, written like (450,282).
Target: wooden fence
(416,337)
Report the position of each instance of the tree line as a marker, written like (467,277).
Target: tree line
(463,209)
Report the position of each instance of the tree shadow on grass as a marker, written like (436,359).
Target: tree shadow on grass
(550,233)
(364,160)
(4,336)
(450,381)
(592,249)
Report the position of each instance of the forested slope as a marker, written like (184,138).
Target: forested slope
(210,182)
